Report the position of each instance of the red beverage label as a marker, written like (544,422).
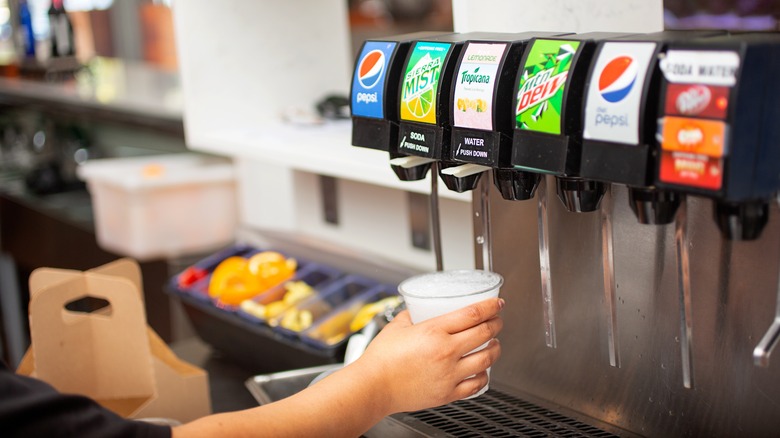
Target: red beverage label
(697,100)
(693,170)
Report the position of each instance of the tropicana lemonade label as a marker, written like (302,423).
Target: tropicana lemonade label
(475,84)
(421,82)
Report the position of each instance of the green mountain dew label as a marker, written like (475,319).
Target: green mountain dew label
(421,82)
(542,83)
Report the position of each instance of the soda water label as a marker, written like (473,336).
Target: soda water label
(421,79)
(541,87)
(368,83)
(705,67)
(615,92)
(474,85)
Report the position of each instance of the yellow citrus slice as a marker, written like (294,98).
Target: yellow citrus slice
(421,105)
(261,258)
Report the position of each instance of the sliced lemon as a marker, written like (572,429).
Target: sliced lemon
(421,105)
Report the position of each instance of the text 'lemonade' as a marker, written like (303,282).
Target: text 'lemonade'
(436,293)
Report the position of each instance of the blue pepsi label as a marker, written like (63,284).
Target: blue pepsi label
(368,83)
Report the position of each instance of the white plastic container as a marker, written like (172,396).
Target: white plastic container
(162,205)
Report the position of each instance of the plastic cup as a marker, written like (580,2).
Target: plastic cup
(436,293)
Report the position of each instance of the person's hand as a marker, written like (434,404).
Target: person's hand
(424,365)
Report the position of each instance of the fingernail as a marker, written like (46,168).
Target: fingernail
(501,303)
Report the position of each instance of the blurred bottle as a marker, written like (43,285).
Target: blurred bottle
(26,37)
(62,43)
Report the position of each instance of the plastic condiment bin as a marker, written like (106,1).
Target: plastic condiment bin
(247,341)
(323,303)
(337,323)
(314,274)
(200,288)
(162,205)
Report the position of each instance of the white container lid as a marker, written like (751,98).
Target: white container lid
(157,171)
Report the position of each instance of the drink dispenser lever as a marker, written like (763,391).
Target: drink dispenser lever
(548,312)
(435,218)
(684,289)
(608,264)
(768,343)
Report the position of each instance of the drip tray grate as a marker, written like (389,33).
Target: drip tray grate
(497,414)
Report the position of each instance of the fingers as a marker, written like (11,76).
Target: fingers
(470,386)
(479,361)
(473,337)
(469,316)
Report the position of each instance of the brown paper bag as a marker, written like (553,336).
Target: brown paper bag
(110,354)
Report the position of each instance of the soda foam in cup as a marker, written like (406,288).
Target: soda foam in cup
(436,293)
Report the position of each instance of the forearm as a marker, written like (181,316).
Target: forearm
(345,404)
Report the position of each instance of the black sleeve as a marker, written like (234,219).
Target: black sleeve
(32,408)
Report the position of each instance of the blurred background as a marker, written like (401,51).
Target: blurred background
(142,30)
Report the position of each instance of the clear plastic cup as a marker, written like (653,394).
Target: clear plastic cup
(436,293)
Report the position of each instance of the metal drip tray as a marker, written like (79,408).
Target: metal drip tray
(497,414)
(494,414)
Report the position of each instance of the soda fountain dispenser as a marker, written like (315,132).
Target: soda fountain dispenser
(720,133)
(481,135)
(374,93)
(548,134)
(620,115)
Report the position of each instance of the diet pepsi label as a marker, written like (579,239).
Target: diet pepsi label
(368,83)
(614,94)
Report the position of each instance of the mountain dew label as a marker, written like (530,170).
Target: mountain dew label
(421,82)
(542,83)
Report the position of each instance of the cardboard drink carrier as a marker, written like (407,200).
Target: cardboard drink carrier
(110,354)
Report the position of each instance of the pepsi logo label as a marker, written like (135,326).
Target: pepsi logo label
(617,79)
(614,94)
(371,68)
(368,99)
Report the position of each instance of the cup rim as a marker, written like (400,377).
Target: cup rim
(497,285)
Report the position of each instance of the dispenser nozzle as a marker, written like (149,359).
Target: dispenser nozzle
(653,206)
(515,185)
(741,221)
(410,168)
(580,195)
(460,177)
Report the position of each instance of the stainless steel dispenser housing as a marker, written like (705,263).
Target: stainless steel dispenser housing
(734,289)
